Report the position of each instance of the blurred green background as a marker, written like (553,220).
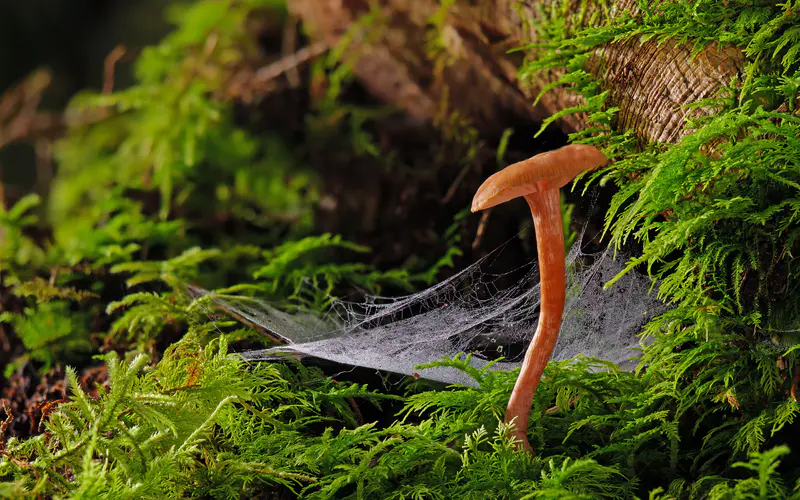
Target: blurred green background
(71,39)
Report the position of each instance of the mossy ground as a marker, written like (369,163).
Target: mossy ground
(175,181)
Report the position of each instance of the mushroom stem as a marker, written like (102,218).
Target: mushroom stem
(538,180)
(546,211)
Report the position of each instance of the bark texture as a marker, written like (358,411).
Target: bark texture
(649,82)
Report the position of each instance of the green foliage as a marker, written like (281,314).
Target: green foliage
(161,147)
(764,483)
(43,291)
(18,249)
(716,219)
(50,332)
(150,433)
(335,74)
(165,154)
(160,189)
(204,422)
(566,222)
(174,271)
(289,273)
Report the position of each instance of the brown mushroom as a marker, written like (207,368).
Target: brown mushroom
(538,180)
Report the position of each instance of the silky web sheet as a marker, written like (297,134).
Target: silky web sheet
(468,312)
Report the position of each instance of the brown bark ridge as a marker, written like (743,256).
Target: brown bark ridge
(650,82)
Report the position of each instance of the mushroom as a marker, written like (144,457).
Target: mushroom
(538,180)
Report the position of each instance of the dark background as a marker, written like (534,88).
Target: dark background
(71,38)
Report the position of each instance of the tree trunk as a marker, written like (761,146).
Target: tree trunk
(473,73)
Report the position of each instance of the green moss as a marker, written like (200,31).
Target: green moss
(138,193)
(717,230)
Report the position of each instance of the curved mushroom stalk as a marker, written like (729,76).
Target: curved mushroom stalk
(546,211)
(538,180)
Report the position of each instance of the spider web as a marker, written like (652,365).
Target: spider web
(471,312)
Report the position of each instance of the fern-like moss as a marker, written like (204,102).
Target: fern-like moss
(708,414)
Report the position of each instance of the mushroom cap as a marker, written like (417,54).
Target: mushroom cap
(550,170)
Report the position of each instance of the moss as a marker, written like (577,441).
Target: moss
(715,216)
(170,189)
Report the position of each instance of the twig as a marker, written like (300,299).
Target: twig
(19,463)
(457,182)
(47,408)
(481,229)
(243,84)
(4,425)
(290,62)
(289,46)
(795,382)
(19,116)
(109,64)
(24,94)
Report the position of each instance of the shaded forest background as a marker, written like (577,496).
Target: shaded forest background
(70,39)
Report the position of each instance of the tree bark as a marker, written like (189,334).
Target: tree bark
(649,82)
